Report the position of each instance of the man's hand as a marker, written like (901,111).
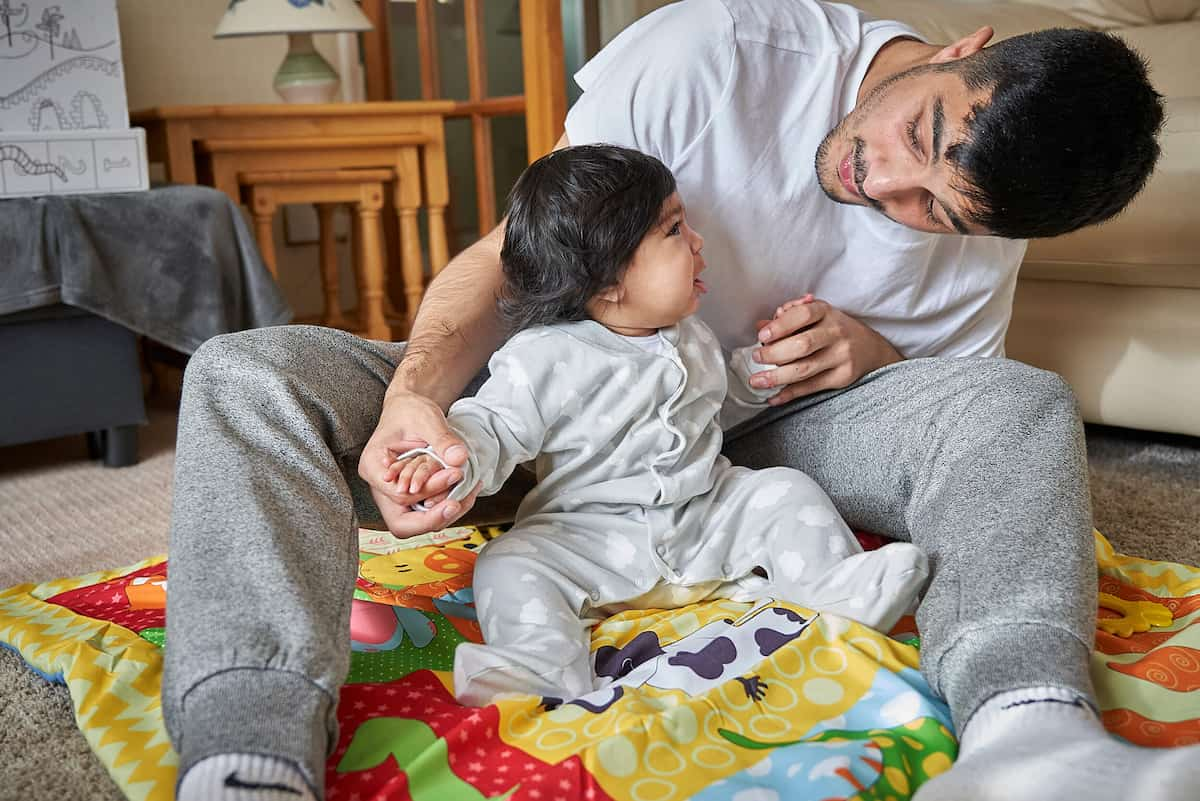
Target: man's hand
(412,421)
(816,347)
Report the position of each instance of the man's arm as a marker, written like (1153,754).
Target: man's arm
(455,332)
(456,329)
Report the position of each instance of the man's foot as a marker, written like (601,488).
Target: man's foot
(244,777)
(1046,744)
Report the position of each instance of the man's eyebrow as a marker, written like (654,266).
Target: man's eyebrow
(939,120)
(939,125)
(955,220)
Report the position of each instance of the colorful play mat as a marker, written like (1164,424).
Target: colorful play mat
(710,700)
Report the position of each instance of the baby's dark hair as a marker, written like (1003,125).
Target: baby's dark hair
(575,218)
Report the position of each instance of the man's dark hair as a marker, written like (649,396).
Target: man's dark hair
(1067,138)
(575,218)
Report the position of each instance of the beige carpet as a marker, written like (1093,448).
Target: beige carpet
(62,515)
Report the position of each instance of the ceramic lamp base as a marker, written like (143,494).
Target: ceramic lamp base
(305,76)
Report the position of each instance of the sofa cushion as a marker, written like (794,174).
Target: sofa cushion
(946,21)
(1171,51)
(1108,14)
(1170,48)
(1156,241)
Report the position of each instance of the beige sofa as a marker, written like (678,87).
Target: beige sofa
(1115,308)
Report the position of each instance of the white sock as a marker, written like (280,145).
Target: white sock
(1036,712)
(244,777)
(1046,744)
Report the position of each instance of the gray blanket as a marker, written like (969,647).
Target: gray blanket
(177,264)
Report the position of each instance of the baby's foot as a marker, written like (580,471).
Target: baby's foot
(876,588)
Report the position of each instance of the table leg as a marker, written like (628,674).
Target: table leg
(225,175)
(391,249)
(356,255)
(437,196)
(439,247)
(180,157)
(410,265)
(408,203)
(329,267)
(356,258)
(370,298)
(263,208)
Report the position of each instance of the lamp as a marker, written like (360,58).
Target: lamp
(304,76)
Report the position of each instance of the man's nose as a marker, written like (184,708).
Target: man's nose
(887,181)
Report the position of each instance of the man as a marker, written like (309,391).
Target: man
(978,460)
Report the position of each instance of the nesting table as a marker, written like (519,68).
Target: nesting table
(215,144)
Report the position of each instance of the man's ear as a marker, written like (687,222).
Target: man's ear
(967,46)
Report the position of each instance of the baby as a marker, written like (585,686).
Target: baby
(618,395)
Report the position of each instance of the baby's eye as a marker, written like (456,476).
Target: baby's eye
(674,230)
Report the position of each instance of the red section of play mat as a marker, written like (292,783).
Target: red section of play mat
(122,601)
(475,752)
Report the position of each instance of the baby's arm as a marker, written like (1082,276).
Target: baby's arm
(503,424)
(743,401)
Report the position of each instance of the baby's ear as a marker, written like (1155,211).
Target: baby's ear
(613,294)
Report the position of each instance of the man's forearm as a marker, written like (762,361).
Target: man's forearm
(457,328)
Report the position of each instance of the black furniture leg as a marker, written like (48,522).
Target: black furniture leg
(95,444)
(120,446)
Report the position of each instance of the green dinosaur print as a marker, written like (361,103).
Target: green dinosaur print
(418,752)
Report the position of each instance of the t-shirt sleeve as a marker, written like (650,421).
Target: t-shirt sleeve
(657,85)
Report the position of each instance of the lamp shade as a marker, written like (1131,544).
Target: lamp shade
(248,17)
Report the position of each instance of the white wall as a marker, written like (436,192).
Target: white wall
(171,57)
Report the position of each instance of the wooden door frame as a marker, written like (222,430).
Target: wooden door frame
(543,68)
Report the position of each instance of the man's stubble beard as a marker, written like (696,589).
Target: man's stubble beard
(863,109)
(822,157)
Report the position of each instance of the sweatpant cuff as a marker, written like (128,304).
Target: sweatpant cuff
(993,659)
(258,711)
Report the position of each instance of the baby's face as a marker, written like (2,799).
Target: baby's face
(662,284)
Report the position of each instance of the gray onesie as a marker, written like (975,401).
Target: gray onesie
(635,507)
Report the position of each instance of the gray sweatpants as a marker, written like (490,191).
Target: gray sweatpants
(980,462)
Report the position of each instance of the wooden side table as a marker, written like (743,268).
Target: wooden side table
(223,160)
(267,190)
(174,133)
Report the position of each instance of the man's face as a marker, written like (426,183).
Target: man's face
(889,152)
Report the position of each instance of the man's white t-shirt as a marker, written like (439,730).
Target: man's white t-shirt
(735,96)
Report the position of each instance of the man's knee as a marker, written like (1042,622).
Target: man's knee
(256,361)
(1014,398)
(229,354)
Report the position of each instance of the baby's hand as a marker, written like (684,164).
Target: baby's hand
(809,298)
(411,474)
